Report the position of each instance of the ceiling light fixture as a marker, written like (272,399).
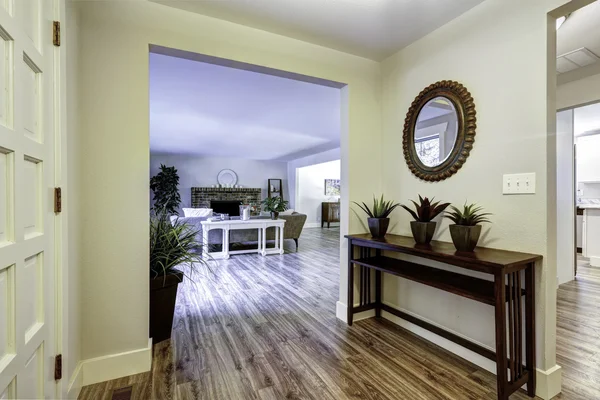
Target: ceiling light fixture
(560,21)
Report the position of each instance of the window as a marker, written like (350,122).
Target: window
(428,150)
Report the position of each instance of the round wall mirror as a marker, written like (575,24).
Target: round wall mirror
(439,131)
(227,178)
(435,132)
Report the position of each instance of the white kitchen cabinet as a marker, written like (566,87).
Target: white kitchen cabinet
(588,158)
(591,235)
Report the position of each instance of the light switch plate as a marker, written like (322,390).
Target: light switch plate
(518,183)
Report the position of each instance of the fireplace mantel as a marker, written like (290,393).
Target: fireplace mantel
(201,196)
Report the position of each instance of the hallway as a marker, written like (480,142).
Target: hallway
(265,328)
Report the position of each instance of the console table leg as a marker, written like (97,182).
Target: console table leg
(530,327)
(350,283)
(281,240)
(226,243)
(377,293)
(205,242)
(501,358)
(259,244)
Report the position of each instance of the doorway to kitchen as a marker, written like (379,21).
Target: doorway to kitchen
(578,150)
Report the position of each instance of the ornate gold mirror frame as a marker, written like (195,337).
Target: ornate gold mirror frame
(467,123)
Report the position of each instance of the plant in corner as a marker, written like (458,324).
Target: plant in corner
(275,205)
(423,227)
(173,253)
(166,194)
(466,229)
(378,216)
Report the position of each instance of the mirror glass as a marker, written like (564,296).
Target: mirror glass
(436,131)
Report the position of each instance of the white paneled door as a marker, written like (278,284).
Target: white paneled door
(27,176)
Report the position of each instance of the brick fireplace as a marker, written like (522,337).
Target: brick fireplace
(202,196)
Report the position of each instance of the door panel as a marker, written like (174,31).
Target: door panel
(27,243)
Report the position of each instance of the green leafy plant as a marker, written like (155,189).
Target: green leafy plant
(166,194)
(426,210)
(470,215)
(275,204)
(381,208)
(174,247)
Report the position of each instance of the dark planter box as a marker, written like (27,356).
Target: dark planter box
(378,226)
(163,294)
(422,231)
(465,238)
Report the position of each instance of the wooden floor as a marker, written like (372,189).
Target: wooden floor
(265,328)
(578,334)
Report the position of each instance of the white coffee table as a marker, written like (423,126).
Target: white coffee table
(260,224)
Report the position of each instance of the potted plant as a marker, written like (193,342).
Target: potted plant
(173,251)
(166,194)
(275,205)
(423,227)
(466,229)
(378,216)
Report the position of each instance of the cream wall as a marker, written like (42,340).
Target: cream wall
(114,152)
(578,92)
(501,56)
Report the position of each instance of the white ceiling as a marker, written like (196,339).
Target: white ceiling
(580,30)
(203,109)
(373,29)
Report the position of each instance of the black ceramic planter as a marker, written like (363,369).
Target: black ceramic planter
(274,215)
(422,231)
(378,226)
(163,294)
(465,238)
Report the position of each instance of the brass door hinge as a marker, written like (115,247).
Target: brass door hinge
(56,33)
(58,367)
(57,200)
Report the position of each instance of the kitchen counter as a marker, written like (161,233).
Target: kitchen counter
(588,205)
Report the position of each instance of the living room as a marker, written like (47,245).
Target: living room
(237,137)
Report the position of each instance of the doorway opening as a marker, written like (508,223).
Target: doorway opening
(224,136)
(578,197)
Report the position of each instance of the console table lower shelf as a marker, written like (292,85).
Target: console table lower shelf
(511,293)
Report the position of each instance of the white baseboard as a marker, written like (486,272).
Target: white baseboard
(548,382)
(460,351)
(76,382)
(341,312)
(312,225)
(595,261)
(115,366)
(318,225)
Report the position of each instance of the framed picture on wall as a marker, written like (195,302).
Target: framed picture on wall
(332,187)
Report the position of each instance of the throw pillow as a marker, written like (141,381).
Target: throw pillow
(197,212)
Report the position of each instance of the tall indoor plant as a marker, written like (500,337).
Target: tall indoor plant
(378,215)
(164,185)
(275,205)
(423,227)
(173,253)
(466,230)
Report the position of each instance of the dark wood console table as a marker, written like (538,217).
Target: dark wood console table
(513,278)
